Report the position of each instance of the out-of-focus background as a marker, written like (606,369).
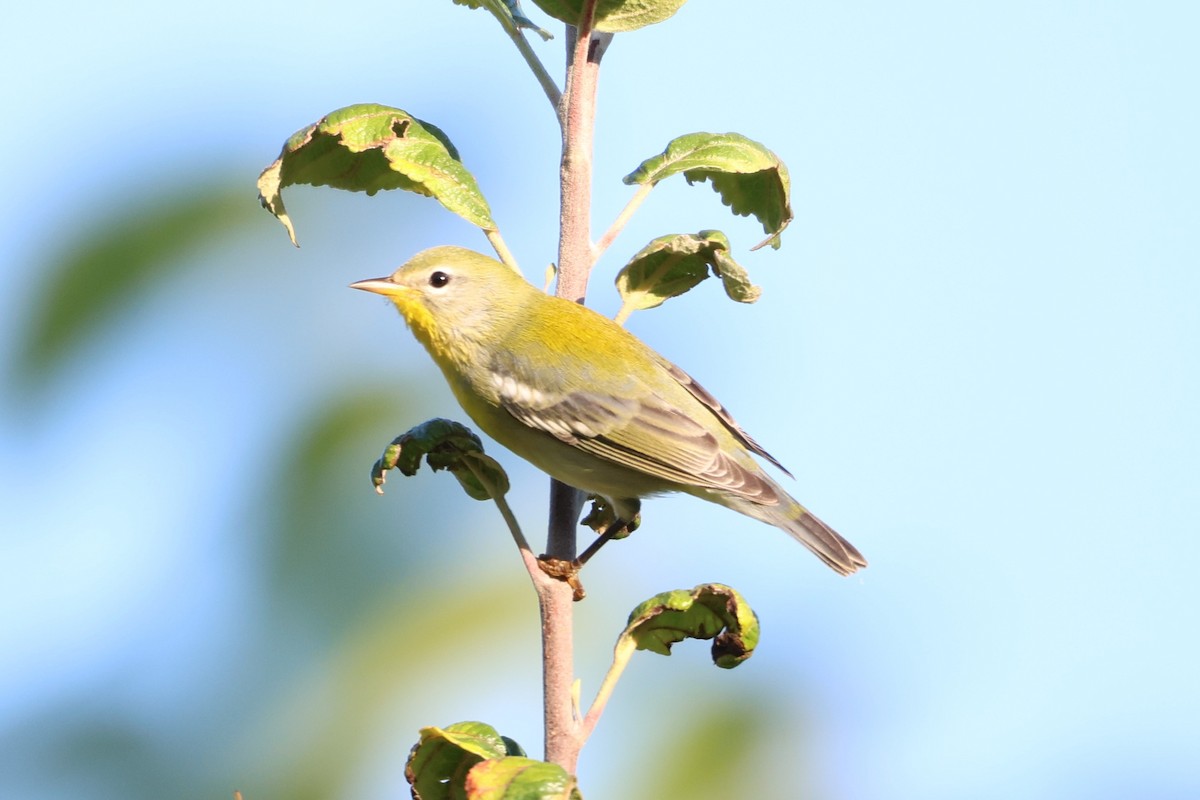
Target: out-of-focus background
(977,351)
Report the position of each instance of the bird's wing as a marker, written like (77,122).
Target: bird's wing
(635,428)
(713,405)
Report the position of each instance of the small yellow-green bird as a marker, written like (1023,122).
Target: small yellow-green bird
(584,400)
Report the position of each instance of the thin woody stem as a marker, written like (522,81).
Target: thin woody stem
(577,115)
(565,739)
(577,110)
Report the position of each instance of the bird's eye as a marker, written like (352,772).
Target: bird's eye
(438,279)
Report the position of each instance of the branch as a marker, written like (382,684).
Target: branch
(555,602)
(577,112)
(577,117)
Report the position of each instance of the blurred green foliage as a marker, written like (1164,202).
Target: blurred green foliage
(89,283)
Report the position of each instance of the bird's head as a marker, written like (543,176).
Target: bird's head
(450,295)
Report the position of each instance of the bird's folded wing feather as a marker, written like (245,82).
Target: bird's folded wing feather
(713,405)
(636,429)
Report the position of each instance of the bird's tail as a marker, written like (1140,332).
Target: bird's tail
(826,543)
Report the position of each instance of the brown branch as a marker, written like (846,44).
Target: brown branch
(577,110)
(578,115)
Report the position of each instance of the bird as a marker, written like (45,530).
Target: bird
(584,400)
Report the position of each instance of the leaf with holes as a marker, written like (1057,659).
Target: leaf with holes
(366,148)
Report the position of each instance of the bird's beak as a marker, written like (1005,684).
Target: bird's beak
(384,286)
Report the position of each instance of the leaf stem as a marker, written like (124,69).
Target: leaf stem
(619,223)
(627,307)
(624,650)
(501,248)
(553,94)
(497,496)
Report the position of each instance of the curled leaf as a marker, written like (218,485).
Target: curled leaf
(444,444)
(509,14)
(516,778)
(749,177)
(613,16)
(709,611)
(366,148)
(439,763)
(674,264)
(601,517)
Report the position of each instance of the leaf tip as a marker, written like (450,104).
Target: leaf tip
(270,195)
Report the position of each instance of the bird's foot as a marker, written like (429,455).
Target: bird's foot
(564,570)
(605,521)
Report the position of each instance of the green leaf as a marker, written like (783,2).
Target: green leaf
(368,147)
(512,748)
(613,16)
(444,444)
(439,762)
(749,177)
(510,15)
(119,256)
(709,611)
(517,778)
(674,264)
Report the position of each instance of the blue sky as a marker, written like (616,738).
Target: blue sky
(977,351)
